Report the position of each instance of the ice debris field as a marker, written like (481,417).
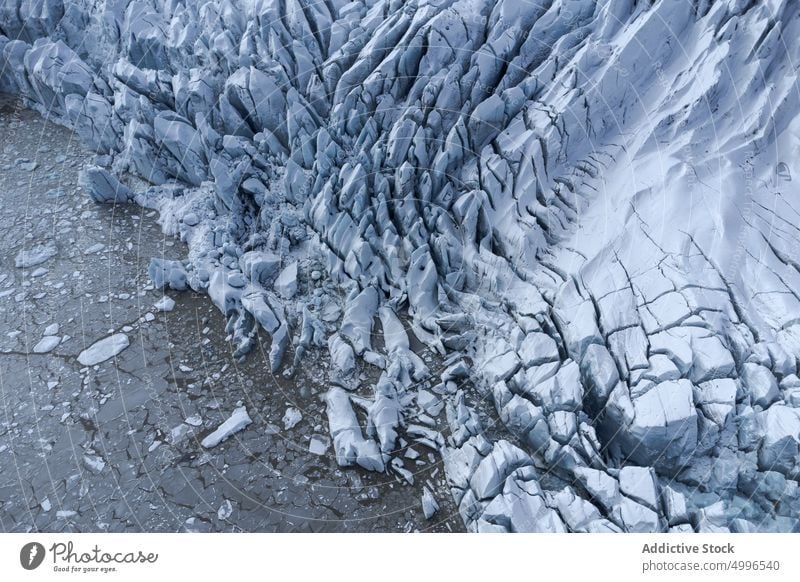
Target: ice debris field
(588,209)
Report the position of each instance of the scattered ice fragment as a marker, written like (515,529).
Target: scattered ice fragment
(190,219)
(165,304)
(34,256)
(104,349)
(286,283)
(225,510)
(411,454)
(178,433)
(429,504)
(55,193)
(166,273)
(46,344)
(237,421)
(51,329)
(291,418)
(94,463)
(318,445)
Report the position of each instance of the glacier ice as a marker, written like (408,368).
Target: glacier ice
(587,210)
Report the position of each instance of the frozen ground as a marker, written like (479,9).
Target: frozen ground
(117,446)
(586,209)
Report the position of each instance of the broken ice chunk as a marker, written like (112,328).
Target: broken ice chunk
(166,273)
(286,283)
(34,256)
(674,506)
(342,356)
(501,367)
(225,510)
(237,421)
(538,348)
(103,187)
(710,359)
(165,304)
(761,384)
(291,418)
(318,445)
(66,514)
(94,463)
(490,475)
(104,349)
(178,433)
(429,402)
(46,344)
(429,505)
(348,440)
(260,267)
(358,319)
(599,373)
(638,483)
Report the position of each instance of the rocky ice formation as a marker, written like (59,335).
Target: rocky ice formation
(588,209)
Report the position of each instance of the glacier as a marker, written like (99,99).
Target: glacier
(587,209)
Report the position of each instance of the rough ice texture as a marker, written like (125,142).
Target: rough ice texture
(594,204)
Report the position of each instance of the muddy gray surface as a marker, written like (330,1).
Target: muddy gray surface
(116,446)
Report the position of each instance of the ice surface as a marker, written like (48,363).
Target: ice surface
(291,418)
(236,422)
(597,237)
